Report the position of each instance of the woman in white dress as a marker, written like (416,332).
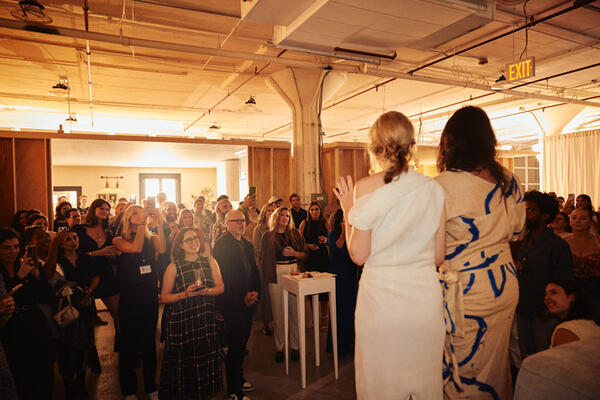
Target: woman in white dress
(395,227)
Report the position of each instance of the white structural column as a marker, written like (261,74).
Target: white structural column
(552,122)
(232,178)
(300,89)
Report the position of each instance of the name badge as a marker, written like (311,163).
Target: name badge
(145,269)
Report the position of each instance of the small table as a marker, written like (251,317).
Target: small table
(321,282)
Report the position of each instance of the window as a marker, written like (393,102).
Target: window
(527,169)
(152,184)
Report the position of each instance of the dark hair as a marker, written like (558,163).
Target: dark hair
(587,198)
(33,217)
(70,210)
(29,213)
(16,222)
(57,214)
(548,204)
(29,232)
(91,220)
(222,197)
(293,195)
(580,308)
(321,221)
(177,253)
(566,217)
(468,143)
(338,217)
(7,233)
(560,198)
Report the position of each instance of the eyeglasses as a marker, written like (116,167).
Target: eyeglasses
(191,240)
(239,221)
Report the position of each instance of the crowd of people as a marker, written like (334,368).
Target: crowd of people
(443,285)
(211,271)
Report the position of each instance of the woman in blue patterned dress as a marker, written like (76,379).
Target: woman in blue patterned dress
(191,367)
(484,210)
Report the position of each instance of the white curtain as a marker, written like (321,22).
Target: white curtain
(572,164)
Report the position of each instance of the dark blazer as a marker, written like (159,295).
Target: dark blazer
(230,255)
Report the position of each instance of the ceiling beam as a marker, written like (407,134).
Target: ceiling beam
(375,71)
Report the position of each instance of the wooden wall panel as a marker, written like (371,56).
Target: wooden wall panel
(281,173)
(329,176)
(341,160)
(32,175)
(8,192)
(269,169)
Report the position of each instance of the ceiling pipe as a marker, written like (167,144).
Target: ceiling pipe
(576,4)
(89,66)
(128,41)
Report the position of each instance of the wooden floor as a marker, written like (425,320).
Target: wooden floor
(268,377)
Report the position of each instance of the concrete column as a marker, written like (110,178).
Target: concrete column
(300,89)
(232,179)
(553,120)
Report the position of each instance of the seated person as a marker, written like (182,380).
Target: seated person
(564,300)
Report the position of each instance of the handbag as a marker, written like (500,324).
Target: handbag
(66,315)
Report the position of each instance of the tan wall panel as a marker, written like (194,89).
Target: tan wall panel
(259,168)
(7,194)
(32,175)
(329,172)
(281,173)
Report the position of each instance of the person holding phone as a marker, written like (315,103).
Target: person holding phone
(27,335)
(98,254)
(138,303)
(191,366)
(9,250)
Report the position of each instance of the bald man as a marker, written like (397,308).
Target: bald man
(235,257)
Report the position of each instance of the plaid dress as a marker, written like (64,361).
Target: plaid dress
(191,366)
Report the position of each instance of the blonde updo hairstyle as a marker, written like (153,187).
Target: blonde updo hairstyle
(391,138)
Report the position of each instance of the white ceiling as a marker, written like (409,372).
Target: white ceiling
(223,58)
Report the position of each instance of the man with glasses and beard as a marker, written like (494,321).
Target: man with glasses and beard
(540,256)
(235,257)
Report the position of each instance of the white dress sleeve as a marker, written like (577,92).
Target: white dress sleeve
(362,215)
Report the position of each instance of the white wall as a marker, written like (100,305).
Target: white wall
(193,180)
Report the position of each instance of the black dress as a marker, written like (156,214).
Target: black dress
(108,285)
(77,337)
(347,275)
(138,316)
(27,338)
(318,260)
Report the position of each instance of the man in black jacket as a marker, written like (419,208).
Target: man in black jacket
(541,256)
(235,257)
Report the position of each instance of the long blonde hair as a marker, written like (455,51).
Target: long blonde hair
(126,228)
(274,220)
(391,138)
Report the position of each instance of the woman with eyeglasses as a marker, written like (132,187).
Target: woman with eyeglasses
(191,366)
(137,272)
(78,337)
